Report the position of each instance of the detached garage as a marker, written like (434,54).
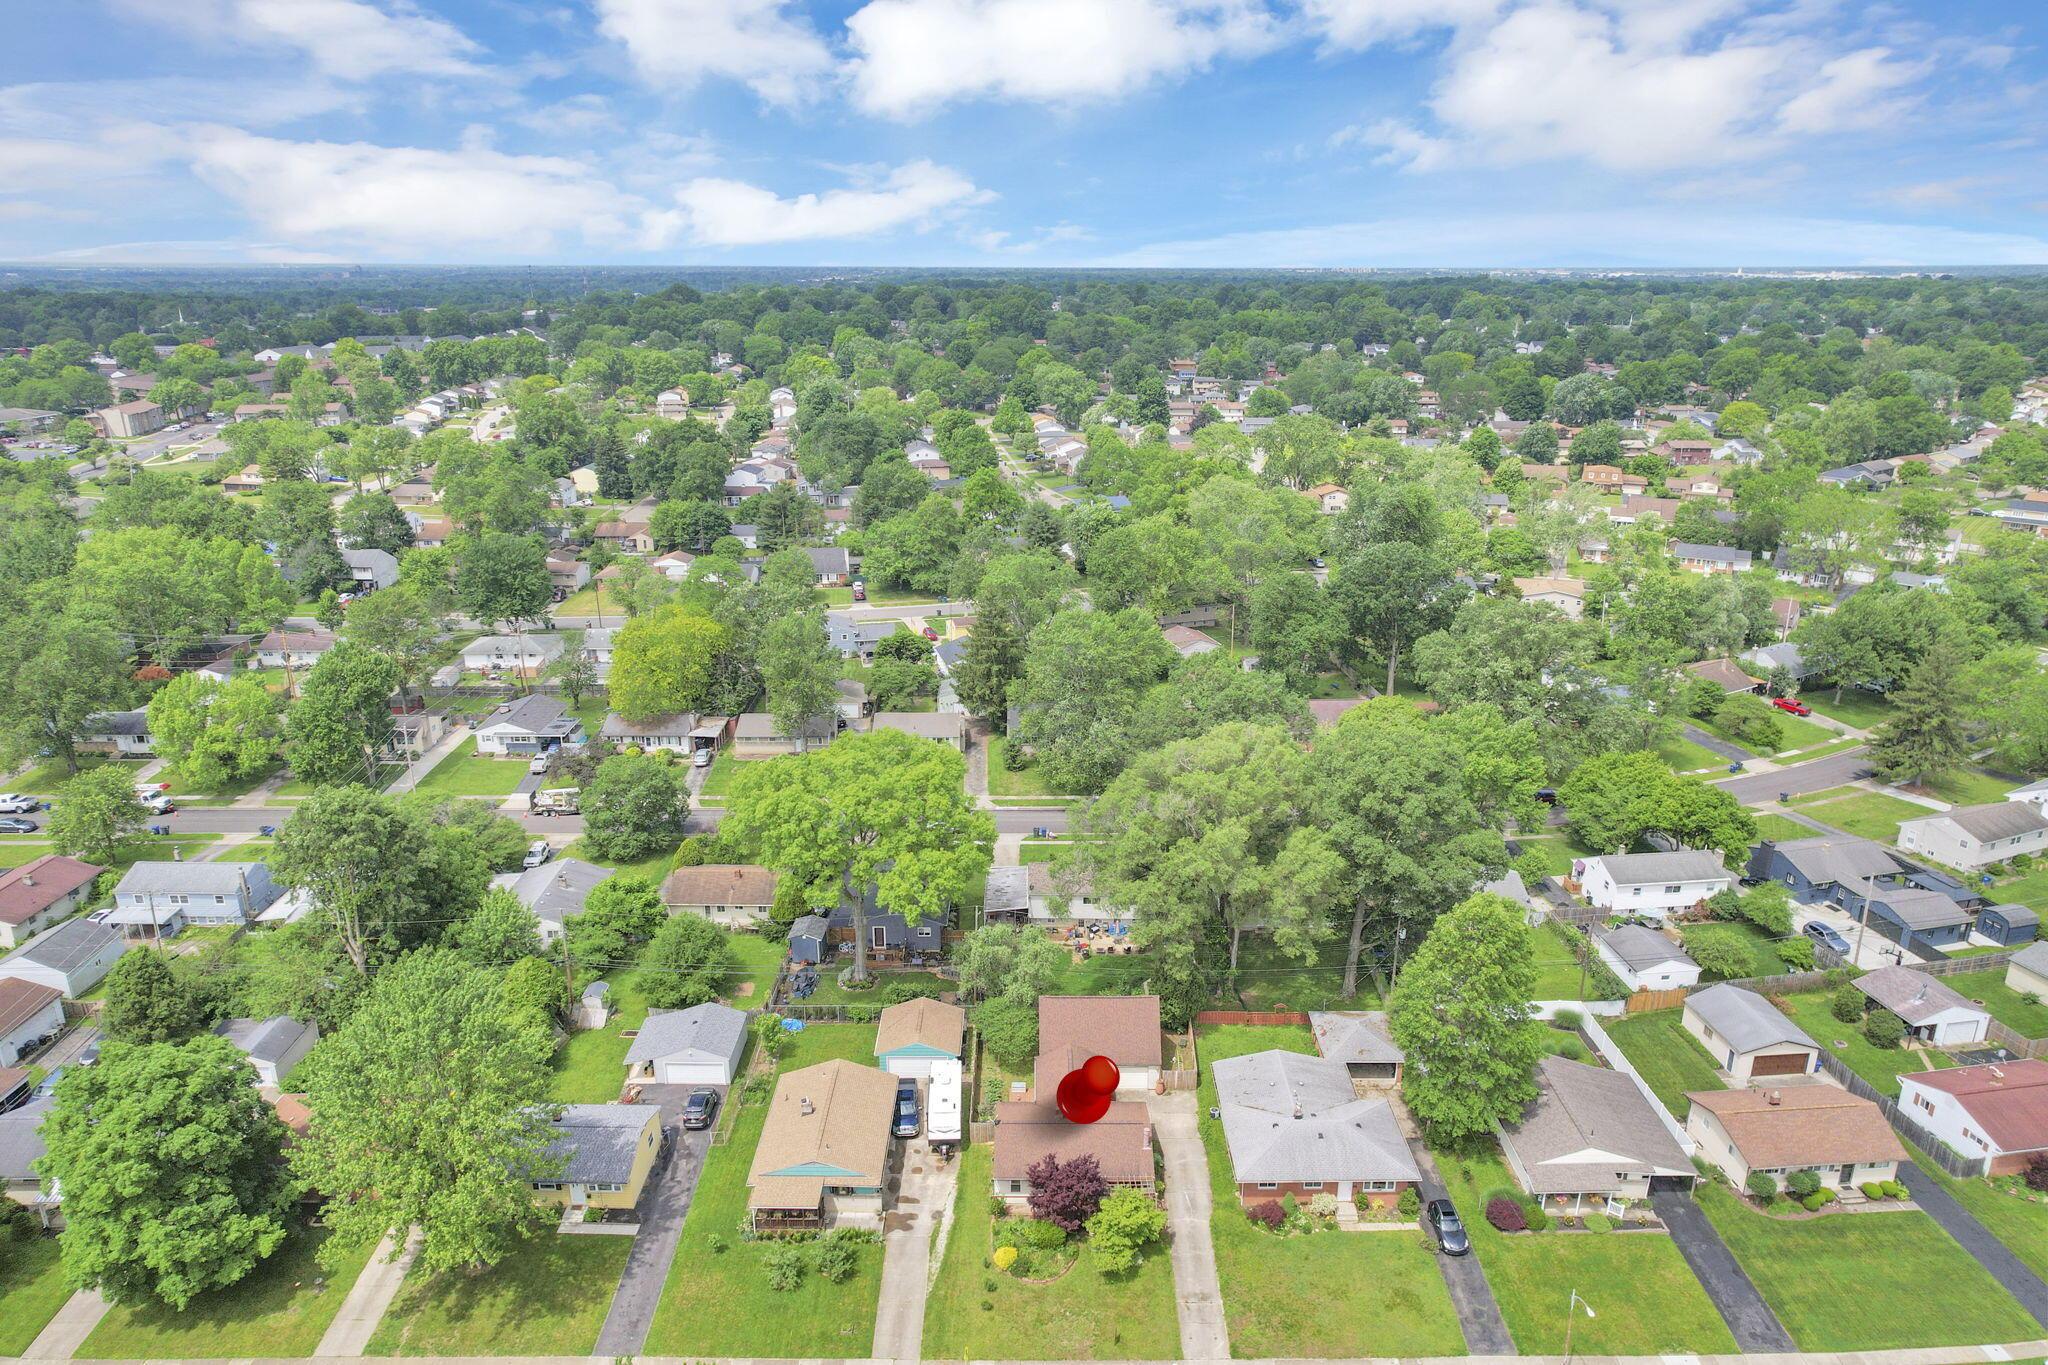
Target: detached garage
(697,1046)
(916,1033)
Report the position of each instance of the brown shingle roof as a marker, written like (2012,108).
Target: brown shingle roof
(720,884)
(1807,1125)
(1123,1028)
(20,1001)
(1120,1141)
(830,1118)
(931,1022)
(32,888)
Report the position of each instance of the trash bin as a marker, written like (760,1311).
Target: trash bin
(267,830)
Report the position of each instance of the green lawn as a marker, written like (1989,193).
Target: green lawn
(1644,1294)
(1682,755)
(1082,1316)
(1558,974)
(585,602)
(1882,1067)
(1801,734)
(717,1301)
(1002,782)
(1971,787)
(44,780)
(718,781)
(2029,888)
(1829,794)
(1268,979)
(2007,1005)
(1826,1279)
(158,848)
(1276,1296)
(1871,815)
(830,992)
(1781,827)
(249,851)
(1832,747)
(2012,1215)
(1671,1060)
(1862,710)
(548,1297)
(14,854)
(387,773)
(32,1289)
(282,1309)
(654,867)
(463,773)
(1763,959)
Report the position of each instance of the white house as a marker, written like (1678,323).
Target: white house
(157,900)
(1646,960)
(370,569)
(1997,1111)
(1035,890)
(291,649)
(531,725)
(1970,837)
(29,1011)
(1933,1012)
(522,654)
(697,1046)
(72,957)
(124,733)
(41,893)
(554,891)
(273,1046)
(1654,883)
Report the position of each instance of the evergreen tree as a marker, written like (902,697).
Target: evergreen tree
(994,658)
(1928,732)
(612,464)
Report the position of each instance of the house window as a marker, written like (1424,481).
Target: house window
(177,900)
(547,1184)
(1671,890)
(1268,1185)
(220,900)
(606,1187)
(1311,1184)
(1373,1186)
(1016,1187)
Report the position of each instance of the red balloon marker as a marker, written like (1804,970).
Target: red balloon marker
(1085,1092)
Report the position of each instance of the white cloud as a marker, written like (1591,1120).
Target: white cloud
(576,116)
(1365,23)
(348,39)
(1852,91)
(1401,144)
(712,211)
(400,199)
(182,251)
(759,43)
(912,56)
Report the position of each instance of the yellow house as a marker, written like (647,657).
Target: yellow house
(607,1150)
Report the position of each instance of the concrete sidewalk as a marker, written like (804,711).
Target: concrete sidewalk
(350,1332)
(65,1333)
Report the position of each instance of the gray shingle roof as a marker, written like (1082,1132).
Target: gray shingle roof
(1914,996)
(598,1141)
(134,723)
(1684,865)
(1997,820)
(1837,858)
(556,890)
(1916,908)
(70,945)
(196,879)
(264,1040)
(714,1030)
(809,926)
(1639,948)
(1586,1125)
(20,1144)
(1745,1019)
(532,715)
(1712,554)
(1007,888)
(2033,957)
(1350,1038)
(1288,1116)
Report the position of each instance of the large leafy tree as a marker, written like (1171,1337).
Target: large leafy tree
(94,812)
(685,964)
(883,814)
(662,662)
(799,669)
(58,669)
(1083,674)
(633,806)
(1394,592)
(211,733)
(170,1165)
(401,623)
(430,1113)
(1461,1013)
(341,722)
(500,576)
(1615,799)
(145,1002)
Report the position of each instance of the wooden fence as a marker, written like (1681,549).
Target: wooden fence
(1642,1002)
(1257,1018)
(1938,1151)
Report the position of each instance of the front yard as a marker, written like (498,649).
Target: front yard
(1869,815)
(1858,709)
(32,1289)
(718,779)
(1670,1060)
(1277,1291)
(1081,1316)
(2009,1213)
(1645,1296)
(1026,781)
(2020,1013)
(466,773)
(1867,1281)
(717,1301)
(1882,1067)
(548,1297)
(282,1309)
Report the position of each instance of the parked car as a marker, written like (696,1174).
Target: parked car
(907,1121)
(536,854)
(860,591)
(1792,704)
(701,1108)
(14,824)
(13,804)
(159,803)
(702,758)
(1820,931)
(1448,1227)
(1547,795)
(930,634)
(539,764)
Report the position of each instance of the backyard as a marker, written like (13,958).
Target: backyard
(32,1289)
(2022,1013)
(281,1309)
(1083,1315)
(1825,1277)
(1645,1296)
(467,773)
(1267,979)
(717,1301)
(1670,1060)
(1276,1290)
(1759,947)
(1882,1067)
(1558,973)
(548,1297)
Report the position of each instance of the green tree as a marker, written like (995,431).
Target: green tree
(884,812)
(1009,1030)
(1927,734)
(1083,674)
(1127,1222)
(432,1115)
(634,806)
(1615,799)
(211,733)
(58,669)
(1461,1014)
(686,963)
(504,577)
(499,932)
(341,722)
(537,987)
(1720,956)
(1297,628)
(170,1165)
(662,662)
(620,914)
(1009,960)
(1394,592)
(94,812)
(994,659)
(800,671)
(145,1002)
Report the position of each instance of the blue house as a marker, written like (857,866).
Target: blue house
(1815,870)
(1925,921)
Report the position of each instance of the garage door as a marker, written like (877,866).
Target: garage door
(1780,1064)
(693,1073)
(1372,1071)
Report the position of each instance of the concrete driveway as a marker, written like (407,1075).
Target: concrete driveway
(662,1208)
(924,1190)
(1751,1321)
(1199,1294)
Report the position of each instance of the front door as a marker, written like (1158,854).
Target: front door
(1848,1176)
(878,936)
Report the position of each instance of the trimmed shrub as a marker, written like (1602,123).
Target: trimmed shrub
(1761,1187)
(1268,1214)
(1323,1205)
(1004,1257)
(1817,1199)
(2036,1174)
(1802,1183)
(1040,1235)
(1409,1203)
(1895,1189)
(1599,1222)
(1538,1220)
(1568,1020)
(1846,1004)
(1507,1215)
(1883,1029)
(1873,1189)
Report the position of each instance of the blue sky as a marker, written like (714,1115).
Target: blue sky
(1026,132)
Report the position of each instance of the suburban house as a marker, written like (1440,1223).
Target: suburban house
(758,734)
(522,656)
(566,575)
(412,734)
(1710,559)
(1645,960)
(291,649)
(1747,1036)
(554,891)
(1970,837)
(157,900)
(735,895)
(126,421)
(1028,1131)
(1654,883)
(1295,1126)
(1123,1028)
(1187,642)
(532,725)
(1360,1043)
(1591,1133)
(370,569)
(682,732)
(1330,498)
(823,1157)
(2027,970)
(1816,870)
(1040,891)
(1997,1110)
(41,892)
(72,957)
(273,1046)
(1725,674)
(944,727)
(21,1146)
(1568,595)
(672,404)
(701,1045)
(627,537)
(607,1152)
(29,1012)
(1819,1128)
(122,733)
(1934,1012)
(833,566)
(1924,920)
(913,1034)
